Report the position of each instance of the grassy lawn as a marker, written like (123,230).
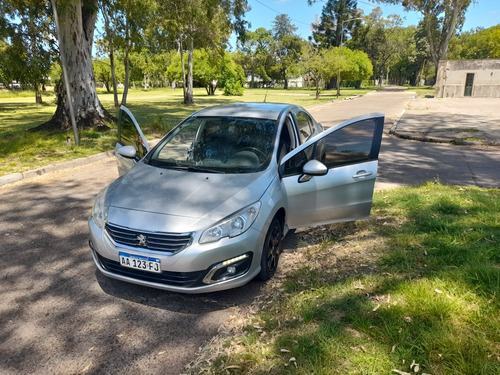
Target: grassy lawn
(156,110)
(413,290)
(422,91)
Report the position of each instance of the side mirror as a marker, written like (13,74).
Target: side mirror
(128,152)
(313,168)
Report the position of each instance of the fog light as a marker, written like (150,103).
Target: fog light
(228,269)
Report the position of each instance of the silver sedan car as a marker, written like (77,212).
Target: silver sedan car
(207,208)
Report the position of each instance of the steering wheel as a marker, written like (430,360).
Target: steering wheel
(260,154)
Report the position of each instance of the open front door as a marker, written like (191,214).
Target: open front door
(339,187)
(129,134)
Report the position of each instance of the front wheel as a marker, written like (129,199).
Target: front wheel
(271,251)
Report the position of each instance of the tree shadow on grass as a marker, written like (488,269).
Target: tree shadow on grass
(418,282)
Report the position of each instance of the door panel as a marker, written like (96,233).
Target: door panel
(350,152)
(129,134)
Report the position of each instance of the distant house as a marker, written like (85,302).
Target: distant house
(477,78)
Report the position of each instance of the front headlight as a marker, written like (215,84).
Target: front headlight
(100,211)
(233,225)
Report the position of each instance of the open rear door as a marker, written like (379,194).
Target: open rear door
(129,134)
(338,184)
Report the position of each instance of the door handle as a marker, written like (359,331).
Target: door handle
(362,174)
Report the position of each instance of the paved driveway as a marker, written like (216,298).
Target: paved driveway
(59,315)
(405,162)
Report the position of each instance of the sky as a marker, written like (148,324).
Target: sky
(485,13)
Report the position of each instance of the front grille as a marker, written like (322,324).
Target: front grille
(157,241)
(179,279)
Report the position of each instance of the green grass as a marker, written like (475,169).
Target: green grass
(417,283)
(422,91)
(157,111)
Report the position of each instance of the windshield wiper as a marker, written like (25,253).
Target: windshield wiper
(195,168)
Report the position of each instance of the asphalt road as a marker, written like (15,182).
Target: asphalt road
(58,315)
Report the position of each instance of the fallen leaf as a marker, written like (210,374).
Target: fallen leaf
(285,350)
(438,291)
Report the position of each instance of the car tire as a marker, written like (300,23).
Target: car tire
(273,246)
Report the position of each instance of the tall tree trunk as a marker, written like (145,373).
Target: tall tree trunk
(188,97)
(77,27)
(127,63)
(110,36)
(38,93)
(113,75)
(183,69)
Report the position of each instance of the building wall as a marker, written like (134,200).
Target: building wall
(452,76)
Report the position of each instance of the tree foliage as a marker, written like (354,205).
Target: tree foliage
(338,18)
(211,71)
(287,49)
(441,19)
(476,44)
(28,51)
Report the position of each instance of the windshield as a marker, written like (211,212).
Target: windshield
(217,144)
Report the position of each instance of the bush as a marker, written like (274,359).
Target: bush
(232,87)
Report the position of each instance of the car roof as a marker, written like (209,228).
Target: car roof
(250,110)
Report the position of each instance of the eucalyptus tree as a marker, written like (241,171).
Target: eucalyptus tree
(441,20)
(382,38)
(76,32)
(198,24)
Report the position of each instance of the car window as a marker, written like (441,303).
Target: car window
(348,145)
(304,125)
(129,136)
(218,144)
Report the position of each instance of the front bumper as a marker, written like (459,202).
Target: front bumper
(225,264)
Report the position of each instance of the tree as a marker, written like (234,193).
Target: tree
(254,54)
(358,66)
(321,65)
(476,44)
(382,38)
(211,70)
(199,24)
(333,26)
(77,27)
(107,44)
(103,73)
(441,19)
(28,54)
(288,47)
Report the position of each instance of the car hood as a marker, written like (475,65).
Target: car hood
(157,199)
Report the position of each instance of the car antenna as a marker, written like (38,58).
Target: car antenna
(265,97)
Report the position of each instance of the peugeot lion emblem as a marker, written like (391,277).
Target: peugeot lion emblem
(143,240)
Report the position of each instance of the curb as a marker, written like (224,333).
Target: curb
(15,177)
(430,139)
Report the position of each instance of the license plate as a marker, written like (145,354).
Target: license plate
(139,262)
